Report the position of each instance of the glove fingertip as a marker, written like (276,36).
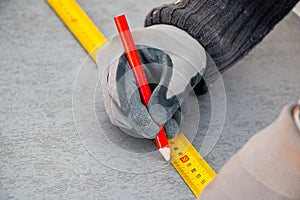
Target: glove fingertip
(158,113)
(171,128)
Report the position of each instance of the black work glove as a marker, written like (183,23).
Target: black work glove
(227,29)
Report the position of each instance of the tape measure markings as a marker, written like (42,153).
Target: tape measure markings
(79,24)
(193,169)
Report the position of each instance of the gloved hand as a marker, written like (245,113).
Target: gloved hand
(173,62)
(267,167)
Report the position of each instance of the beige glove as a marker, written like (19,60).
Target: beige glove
(267,167)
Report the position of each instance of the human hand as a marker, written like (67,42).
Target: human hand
(172,70)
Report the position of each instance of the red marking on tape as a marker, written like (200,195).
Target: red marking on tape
(184,159)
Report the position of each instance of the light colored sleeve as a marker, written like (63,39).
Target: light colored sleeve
(267,167)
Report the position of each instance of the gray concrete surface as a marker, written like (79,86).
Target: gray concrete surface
(41,155)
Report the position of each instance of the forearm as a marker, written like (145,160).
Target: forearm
(267,167)
(227,29)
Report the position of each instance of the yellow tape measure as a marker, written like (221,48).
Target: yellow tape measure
(193,169)
(79,24)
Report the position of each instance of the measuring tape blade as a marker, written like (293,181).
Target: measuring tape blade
(193,169)
(189,164)
(79,24)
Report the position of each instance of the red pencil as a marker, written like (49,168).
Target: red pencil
(138,71)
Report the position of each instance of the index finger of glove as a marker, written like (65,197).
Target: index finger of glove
(131,103)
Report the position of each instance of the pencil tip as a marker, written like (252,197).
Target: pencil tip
(166,153)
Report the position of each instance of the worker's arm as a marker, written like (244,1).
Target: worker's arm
(266,168)
(182,31)
(227,29)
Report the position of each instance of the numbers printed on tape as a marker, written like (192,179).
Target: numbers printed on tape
(184,159)
(193,169)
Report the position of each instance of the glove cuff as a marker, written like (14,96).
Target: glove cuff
(227,29)
(220,25)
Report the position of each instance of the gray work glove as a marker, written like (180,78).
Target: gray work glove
(173,63)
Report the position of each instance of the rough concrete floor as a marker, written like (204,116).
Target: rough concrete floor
(41,155)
